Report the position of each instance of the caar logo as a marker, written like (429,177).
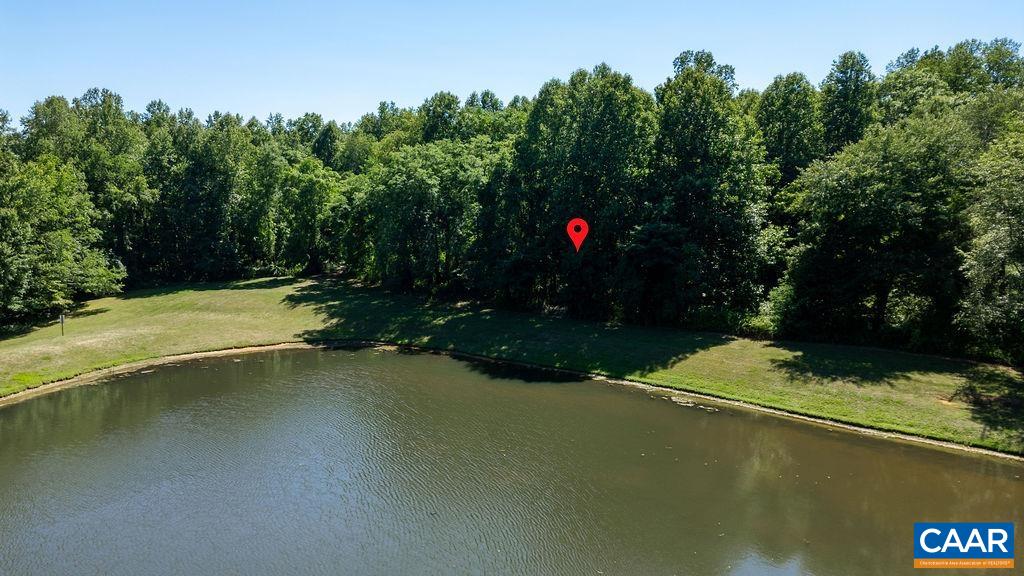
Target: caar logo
(963,545)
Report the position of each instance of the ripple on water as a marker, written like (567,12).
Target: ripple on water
(320,462)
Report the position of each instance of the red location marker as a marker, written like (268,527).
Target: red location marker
(577,230)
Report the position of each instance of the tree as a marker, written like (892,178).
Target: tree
(356,153)
(858,212)
(256,211)
(708,188)
(1003,62)
(310,191)
(111,161)
(881,226)
(48,253)
(440,115)
(422,211)
(52,127)
(328,145)
(847,98)
(302,131)
(8,141)
(96,135)
(387,119)
(904,90)
(485,115)
(993,310)
(788,118)
(971,66)
(585,153)
(200,207)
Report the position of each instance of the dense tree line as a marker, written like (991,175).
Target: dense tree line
(865,209)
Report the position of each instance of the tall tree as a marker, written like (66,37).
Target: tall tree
(302,131)
(48,244)
(994,307)
(97,136)
(880,233)
(257,212)
(310,191)
(905,90)
(788,118)
(329,146)
(586,152)
(209,186)
(111,160)
(422,213)
(709,184)
(847,99)
(440,115)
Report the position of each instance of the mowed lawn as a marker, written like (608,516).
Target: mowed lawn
(963,402)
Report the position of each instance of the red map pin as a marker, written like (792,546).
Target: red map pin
(577,230)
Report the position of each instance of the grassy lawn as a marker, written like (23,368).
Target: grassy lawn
(945,399)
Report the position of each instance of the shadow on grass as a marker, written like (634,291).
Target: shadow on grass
(354,312)
(77,311)
(83,313)
(12,330)
(256,284)
(994,395)
(858,364)
(996,398)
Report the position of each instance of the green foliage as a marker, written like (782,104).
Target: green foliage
(99,139)
(257,214)
(585,153)
(202,203)
(658,275)
(485,115)
(970,66)
(847,100)
(46,234)
(904,91)
(328,145)
(747,102)
(440,115)
(422,213)
(993,310)
(301,132)
(708,187)
(880,225)
(707,207)
(788,117)
(311,193)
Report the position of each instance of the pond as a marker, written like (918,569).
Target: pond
(376,462)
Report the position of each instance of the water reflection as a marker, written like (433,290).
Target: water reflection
(365,462)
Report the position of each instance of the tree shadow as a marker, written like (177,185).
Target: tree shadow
(834,362)
(996,398)
(993,394)
(86,312)
(489,367)
(355,312)
(506,371)
(12,330)
(255,284)
(78,310)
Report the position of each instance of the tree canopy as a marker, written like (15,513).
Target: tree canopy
(874,209)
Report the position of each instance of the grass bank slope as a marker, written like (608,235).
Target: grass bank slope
(950,400)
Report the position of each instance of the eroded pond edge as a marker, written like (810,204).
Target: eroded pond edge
(94,376)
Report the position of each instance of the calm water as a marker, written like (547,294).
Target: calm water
(366,462)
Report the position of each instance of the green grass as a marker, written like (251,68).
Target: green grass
(963,402)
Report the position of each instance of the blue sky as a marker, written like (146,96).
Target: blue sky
(341,58)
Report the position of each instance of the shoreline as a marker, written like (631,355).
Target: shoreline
(93,376)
